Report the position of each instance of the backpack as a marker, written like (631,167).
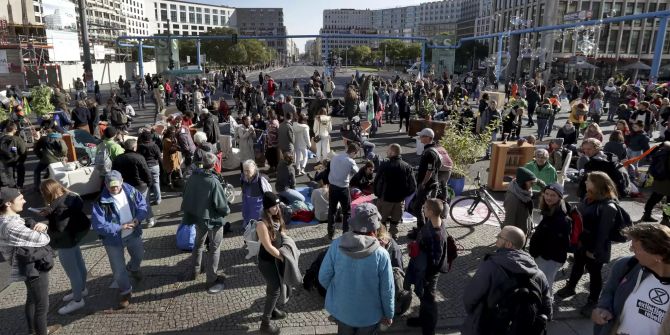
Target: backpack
(621,221)
(185,237)
(118,117)
(517,309)
(445,160)
(311,278)
(8,151)
(103,161)
(658,168)
(577,226)
(251,242)
(613,168)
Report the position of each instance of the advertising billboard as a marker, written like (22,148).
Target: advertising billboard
(61,30)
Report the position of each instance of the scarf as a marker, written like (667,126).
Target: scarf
(521,194)
(568,129)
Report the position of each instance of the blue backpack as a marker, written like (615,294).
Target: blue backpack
(186,237)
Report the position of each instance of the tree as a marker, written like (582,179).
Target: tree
(394,49)
(412,52)
(187,48)
(256,51)
(470,51)
(359,54)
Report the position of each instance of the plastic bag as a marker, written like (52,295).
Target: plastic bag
(185,237)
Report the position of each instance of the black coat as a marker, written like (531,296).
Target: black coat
(568,139)
(210,126)
(134,170)
(68,224)
(394,180)
(551,239)
(81,116)
(151,153)
(599,219)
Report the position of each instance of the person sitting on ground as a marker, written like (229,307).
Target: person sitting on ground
(557,153)
(285,184)
(616,145)
(363,179)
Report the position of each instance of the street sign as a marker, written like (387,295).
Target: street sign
(577,16)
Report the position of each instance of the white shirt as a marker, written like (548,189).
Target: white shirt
(645,308)
(125,216)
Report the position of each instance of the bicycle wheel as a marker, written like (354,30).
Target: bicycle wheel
(469,211)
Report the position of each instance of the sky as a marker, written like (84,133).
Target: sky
(306,16)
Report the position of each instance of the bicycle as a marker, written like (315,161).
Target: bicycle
(476,209)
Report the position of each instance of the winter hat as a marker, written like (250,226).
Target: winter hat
(8,194)
(556,188)
(113,179)
(269,200)
(523,175)
(366,219)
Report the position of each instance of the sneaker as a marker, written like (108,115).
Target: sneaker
(648,218)
(278,315)
(137,275)
(217,287)
(71,307)
(151,223)
(566,292)
(124,302)
(70,296)
(414,322)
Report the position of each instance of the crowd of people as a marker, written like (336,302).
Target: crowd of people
(362,272)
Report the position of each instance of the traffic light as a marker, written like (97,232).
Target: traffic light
(234,38)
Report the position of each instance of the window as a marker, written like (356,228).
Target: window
(625,38)
(164,16)
(198,18)
(172,7)
(646,41)
(173,15)
(206,18)
(191,17)
(634,41)
(215,20)
(182,15)
(611,44)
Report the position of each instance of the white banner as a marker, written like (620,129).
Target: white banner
(4,65)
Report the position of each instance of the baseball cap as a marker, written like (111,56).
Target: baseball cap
(427,132)
(366,219)
(113,179)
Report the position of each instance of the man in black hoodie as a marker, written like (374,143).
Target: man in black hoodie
(487,288)
(393,183)
(135,172)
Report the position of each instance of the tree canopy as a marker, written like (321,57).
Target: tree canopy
(225,52)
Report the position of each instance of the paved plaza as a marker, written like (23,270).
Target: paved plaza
(165,302)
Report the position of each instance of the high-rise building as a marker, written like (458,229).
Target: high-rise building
(346,21)
(263,22)
(186,18)
(617,43)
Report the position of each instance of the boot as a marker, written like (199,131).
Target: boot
(278,314)
(268,328)
(565,292)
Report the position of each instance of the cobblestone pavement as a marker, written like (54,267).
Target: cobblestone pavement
(166,303)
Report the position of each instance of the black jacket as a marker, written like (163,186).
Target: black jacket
(68,224)
(533,99)
(551,239)
(599,218)
(394,181)
(210,126)
(568,138)
(150,152)
(430,162)
(134,170)
(81,116)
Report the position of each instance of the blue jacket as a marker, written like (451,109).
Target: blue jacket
(105,217)
(360,289)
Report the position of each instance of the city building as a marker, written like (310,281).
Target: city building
(186,18)
(617,44)
(135,13)
(346,21)
(263,22)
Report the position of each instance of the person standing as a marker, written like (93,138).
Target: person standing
(246,136)
(68,225)
(205,205)
(322,128)
(135,172)
(148,148)
(518,202)
(329,88)
(285,184)
(116,218)
(391,189)
(427,175)
(185,141)
(342,168)
(17,243)
(286,137)
(358,277)
(49,149)
(13,153)
(403,109)
(302,143)
(271,230)
(492,279)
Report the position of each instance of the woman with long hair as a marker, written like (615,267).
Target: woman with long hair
(350,103)
(593,131)
(322,128)
(270,261)
(171,154)
(551,239)
(68,225)
(599,210)
(622,126)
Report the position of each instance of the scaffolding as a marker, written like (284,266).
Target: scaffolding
(27,52)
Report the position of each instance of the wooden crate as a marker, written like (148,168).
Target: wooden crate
(505,159)
(416,126)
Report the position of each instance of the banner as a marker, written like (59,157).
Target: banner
(4,65)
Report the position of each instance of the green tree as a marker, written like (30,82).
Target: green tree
(394,49)
(187,48)
(359,54)
(257,52)
(412,52)
(470,51)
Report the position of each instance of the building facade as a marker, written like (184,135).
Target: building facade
(186,18)
(346,21)
(263,22)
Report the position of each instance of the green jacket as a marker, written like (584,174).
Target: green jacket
(204,201)
(114,148)
(547,174)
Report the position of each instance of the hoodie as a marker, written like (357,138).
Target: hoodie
(484,288)
(358,277)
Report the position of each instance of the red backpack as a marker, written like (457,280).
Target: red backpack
(577,227)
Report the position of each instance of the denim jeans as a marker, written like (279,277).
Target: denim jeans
(156,179)
(37,303)
(344,329)
(541,128)
(215,236)
(428,307)
(150,212)
(338,195)
(494,137)
(550,125)
(75,269)
(117,260)
(291,195)
(550,269)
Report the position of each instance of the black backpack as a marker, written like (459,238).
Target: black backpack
(517,310)
(622,221)
(7,154)
(311,278)
(659,168)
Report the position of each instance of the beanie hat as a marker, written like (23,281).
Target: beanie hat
(8,194)
(366,219)
(556,188)
(523,175)
(269,200)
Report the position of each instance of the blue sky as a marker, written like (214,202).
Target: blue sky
(306,16)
